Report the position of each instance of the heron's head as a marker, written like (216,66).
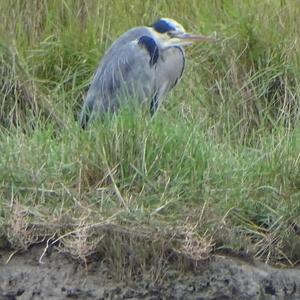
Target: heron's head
(172,33)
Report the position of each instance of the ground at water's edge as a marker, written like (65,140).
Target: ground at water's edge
(60,277)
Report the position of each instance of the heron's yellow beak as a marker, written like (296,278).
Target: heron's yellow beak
(193,38)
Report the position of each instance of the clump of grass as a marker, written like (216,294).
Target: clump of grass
(217,167)
(21,100)
(17,91)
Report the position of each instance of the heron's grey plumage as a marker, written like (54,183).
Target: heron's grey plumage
(128,70)
(123,71)
(168,72)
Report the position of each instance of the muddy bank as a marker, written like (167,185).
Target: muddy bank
(60,277)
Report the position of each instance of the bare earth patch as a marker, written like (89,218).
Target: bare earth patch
(60,277)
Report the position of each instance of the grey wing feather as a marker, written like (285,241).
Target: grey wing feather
(124,70)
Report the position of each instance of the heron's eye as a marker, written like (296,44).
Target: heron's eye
(175,33)
(172,33)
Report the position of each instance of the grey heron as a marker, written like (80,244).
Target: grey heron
(144,63)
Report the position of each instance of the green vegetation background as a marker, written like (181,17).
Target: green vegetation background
(217,169)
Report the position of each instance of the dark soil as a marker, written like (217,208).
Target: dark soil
(60,277)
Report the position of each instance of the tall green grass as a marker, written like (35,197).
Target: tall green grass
(219,161)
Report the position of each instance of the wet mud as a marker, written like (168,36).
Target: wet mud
(61,277)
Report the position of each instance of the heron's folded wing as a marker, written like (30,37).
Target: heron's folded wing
(124,71)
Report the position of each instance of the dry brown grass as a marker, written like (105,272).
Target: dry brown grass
(128,248)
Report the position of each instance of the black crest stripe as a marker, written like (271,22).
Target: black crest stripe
(150,45)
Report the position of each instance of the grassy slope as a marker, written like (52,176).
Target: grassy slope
(218,167)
